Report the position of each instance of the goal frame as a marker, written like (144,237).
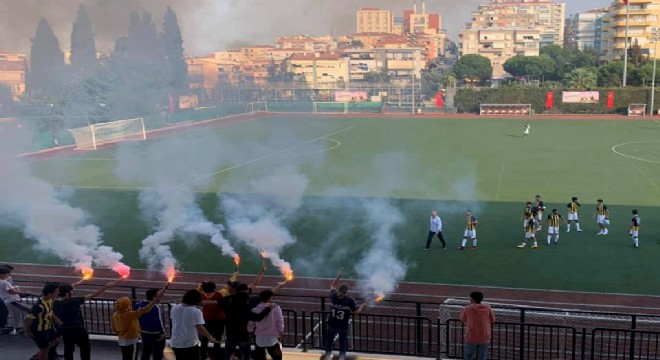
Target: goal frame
(250,107)
(315,108)
(505,109)
(95,142)
(637,110)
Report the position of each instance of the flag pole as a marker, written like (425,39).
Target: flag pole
(625,50)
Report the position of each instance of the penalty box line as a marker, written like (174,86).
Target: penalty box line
(265,156)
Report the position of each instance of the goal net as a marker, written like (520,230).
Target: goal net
(255,107)
(636,109)
(335,107)
(92,136)
(505,109)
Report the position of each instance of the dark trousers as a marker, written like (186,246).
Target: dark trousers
(216,328)
(430,238)
(129,352)
(274,351)
(342,335)
(4,313)
(243,348)
(152,346)
(186,353)
(72,337)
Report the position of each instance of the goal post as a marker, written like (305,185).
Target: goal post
(92,136)
(256,106)
(505,109)
(637,110)
(330,107)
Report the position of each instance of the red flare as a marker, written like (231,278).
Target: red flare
(171,274)
(87,272)
(379,298)
(237,260)
(123,270)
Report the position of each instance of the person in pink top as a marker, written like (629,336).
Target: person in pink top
(268,331)
(478,319)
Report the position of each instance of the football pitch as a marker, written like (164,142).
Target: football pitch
(417,165)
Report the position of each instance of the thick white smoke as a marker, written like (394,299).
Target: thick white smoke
(36,207)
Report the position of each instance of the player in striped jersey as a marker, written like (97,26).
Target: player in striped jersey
(470,231)
(602,215)
(633,230)
(572,208)
(528,210)
(553,225)
(530,233)
(540,208)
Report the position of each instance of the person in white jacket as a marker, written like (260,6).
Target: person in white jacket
(268,331)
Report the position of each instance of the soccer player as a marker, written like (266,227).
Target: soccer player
(470,231)
(572,208)
(540,208)
(602,215)
(526,131)
(633,230)
(530,233)
(553,225)
(527,212)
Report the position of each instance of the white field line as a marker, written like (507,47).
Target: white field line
(265,156)
(615,147)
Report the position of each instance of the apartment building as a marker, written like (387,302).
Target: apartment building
(319,70)
(644,17)
(374,20)
(500,44)
(400,63)
(585,30)
(12,73)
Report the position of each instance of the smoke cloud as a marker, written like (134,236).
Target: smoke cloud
(242,22)
(36,207)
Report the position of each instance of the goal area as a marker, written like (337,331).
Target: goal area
(92,136)
(255,107)
(636,109)
(505,109)
(330,107)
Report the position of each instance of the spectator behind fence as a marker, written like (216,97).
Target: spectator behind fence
(67,309)
(478,319)
(152,328)
(341,310)
(11,298)
(4,312)
(187,326)
(125,324)
(39,324)
(268,331)
(214,319)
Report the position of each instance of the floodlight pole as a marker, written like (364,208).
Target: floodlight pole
(413,83)
(655,60)
(625,50)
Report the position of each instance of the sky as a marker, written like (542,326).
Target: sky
(213,25)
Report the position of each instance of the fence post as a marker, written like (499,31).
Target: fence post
(522,334)
(584,343)
(418,330)
(133,293)
(322,303)
(438,338)
(633,326)
(304,331)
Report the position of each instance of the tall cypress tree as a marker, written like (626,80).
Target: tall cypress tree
(47,61)
(83,46)
(173,47)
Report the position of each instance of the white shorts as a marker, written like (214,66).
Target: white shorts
(526,132)
(634,233)
(470,234)
(553,231)
(572,216)
(601,219)
(529,235)
(539,216)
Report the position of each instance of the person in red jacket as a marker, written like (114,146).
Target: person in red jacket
(478,319)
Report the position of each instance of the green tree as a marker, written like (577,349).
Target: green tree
(47,61)
(581,79)
(83,46)
(610,74)
(568,59)
(377,77)
(473,68)
(277,73)
(173,46)
(520,65)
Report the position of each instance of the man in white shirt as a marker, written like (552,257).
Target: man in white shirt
(11,297)
(187,326)
(435,229)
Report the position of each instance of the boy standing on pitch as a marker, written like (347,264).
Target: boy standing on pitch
(572,209)
(602,215)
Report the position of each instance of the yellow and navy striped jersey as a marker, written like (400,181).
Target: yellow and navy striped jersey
(572,207)
(527,211)
(635,223)
(530,226)
(601,209)
(42,315)
(471,223)
(554,219)
(540,206)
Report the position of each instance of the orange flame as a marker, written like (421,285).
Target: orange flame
(122,269)
(287,272)
(237,260)
(87,273)
(379,298)
(171,274)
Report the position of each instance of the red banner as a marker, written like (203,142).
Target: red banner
(610,99)
(439,102)
(550,100)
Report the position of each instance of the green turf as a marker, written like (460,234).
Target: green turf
(418,165)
